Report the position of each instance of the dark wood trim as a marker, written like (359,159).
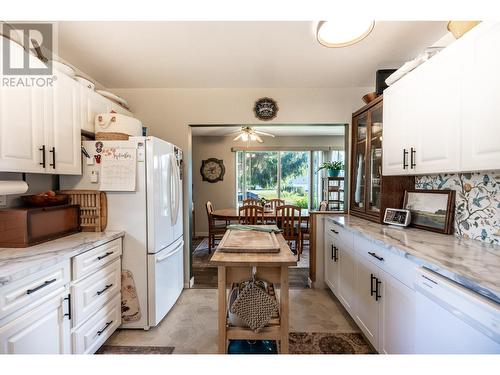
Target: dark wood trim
(450,209)
(368,106)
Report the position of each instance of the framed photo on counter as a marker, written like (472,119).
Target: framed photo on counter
(431,209)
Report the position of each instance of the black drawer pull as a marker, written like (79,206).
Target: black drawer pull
(376,256)
(335,254)
(53,164)
(43,156)
(334,231)
(68,314)
(377,295)
(372,279)
(99,333)
(105,255)
(106,288)
(46,283)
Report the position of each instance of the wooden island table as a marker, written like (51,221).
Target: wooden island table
(270,267)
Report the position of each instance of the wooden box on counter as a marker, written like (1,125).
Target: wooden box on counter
(27,226)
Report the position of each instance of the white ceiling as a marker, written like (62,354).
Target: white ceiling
(277,130)
(217,54)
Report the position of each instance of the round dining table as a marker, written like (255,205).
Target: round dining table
(233,214)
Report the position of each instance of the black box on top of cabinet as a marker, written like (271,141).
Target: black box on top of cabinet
(381,76)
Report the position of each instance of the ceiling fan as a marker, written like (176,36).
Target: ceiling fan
(248,134)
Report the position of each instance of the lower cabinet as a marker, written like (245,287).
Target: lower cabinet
(363,277)
(44,330)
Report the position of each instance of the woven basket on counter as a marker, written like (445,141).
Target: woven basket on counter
(111,136)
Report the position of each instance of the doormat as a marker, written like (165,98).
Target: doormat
(116,349)
(328,343)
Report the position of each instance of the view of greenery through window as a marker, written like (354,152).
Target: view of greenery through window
(274,174)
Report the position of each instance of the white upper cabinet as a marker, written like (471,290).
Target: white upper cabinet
(443,116)
(92,105)
(481,98)
(62,133)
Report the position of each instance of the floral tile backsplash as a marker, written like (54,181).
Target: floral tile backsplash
(477,207)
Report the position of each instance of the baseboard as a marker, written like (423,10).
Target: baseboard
(191,282)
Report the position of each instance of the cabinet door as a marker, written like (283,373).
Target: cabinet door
(358,192)
(367,308)
(63,129)
(481,98)
(331,265)
(397,319)
(395,140)
(347,275)
(21,130)
(43,330)
(435,113)
(373,182)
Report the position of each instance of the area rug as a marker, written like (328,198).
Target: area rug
(328,343)
(116,349)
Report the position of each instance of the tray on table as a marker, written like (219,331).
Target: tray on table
(249,241)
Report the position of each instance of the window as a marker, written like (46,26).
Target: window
(288,175)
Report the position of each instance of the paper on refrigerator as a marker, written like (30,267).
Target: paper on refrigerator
(118,169)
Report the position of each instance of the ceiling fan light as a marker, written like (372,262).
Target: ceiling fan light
(253,137)
(244,137)
(343,33)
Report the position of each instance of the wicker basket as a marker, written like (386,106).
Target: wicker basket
(111,136)
(93,208)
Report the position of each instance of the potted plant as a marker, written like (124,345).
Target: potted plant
(333,167)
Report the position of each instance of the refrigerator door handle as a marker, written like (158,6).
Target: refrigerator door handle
(175,251)
(174,176)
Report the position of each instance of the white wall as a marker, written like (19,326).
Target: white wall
(169,112)
(223,193)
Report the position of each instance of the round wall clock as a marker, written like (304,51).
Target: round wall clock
(212,170)
(265,109)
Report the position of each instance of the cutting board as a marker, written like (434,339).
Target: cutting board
(248,241)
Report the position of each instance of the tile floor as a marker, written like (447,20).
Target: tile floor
(191,326)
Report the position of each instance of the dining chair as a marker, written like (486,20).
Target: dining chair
(215,229)
(304,225)
(275,202)
(251,202)
(251,214)
(288,219)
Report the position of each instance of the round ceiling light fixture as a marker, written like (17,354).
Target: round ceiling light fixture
(336,34)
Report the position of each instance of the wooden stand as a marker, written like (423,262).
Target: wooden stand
(333,193)
(237,267)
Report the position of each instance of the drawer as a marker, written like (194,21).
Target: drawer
(338,232)
(90,261)
(93,292)
(95,331)
(34,289)
(398,266)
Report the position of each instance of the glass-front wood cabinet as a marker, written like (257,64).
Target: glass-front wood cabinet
(371,192)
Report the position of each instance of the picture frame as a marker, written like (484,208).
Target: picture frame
(431,210)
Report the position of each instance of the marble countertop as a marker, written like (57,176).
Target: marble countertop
(16,263)
(471,263)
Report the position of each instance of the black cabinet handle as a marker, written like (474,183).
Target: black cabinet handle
(100,332)
(105,288)
(405,154)
(53,152)
(43,155)
(68,314)
(335,254)
(332,252)
(377,295)
(105,255)
(46,283)
(372,279)
(376,256)
(412,158)
(334,231)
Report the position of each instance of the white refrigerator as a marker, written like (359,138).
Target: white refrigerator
(150,215)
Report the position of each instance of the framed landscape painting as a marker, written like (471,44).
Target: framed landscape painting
(431,209)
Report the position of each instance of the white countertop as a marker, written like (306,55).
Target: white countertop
(471,263)
(16,263)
